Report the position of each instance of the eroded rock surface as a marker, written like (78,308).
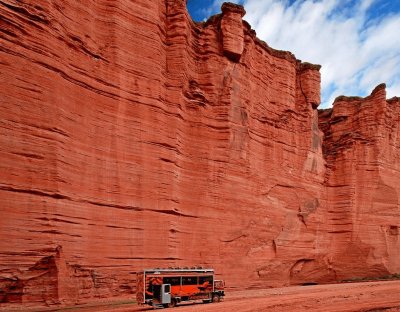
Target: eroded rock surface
(131,137)
(232,30)
(361,148)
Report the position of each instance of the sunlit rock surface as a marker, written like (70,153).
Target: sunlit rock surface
(361,149)
(131,137)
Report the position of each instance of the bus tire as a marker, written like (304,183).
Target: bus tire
(172,304)
(216,298)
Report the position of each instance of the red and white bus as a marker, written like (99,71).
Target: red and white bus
(168,287)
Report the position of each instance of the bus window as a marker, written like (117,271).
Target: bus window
(189,280)
(203,279)
(173,280)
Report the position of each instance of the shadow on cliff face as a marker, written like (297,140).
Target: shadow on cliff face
(51,280)
(37,284)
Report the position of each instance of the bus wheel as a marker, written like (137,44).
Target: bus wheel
(172,304)
(216,298)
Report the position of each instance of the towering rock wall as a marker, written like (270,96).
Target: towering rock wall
(83,122)
(131,137)
(246,115)
(361,148)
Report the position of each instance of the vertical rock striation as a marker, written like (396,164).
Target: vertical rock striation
(132,137)
(232,30)
(361,148)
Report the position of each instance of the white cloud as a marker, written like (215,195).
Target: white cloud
(356,53)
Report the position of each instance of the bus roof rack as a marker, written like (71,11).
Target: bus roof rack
(178,270)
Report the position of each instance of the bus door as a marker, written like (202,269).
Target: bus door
(162,294)
(166,293)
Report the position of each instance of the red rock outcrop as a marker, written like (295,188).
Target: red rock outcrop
(131,137)
(361,148)
(232,30)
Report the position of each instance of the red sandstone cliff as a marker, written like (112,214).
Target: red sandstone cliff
(361,148)
(131,137)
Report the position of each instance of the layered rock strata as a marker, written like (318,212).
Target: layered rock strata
(131,137)
(361,149)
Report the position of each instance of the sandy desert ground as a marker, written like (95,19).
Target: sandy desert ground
(366,296)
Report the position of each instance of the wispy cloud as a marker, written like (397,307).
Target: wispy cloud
(357,50)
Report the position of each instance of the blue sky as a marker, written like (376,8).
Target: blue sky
(357,42)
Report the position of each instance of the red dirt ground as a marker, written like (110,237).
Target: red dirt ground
(367,296)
